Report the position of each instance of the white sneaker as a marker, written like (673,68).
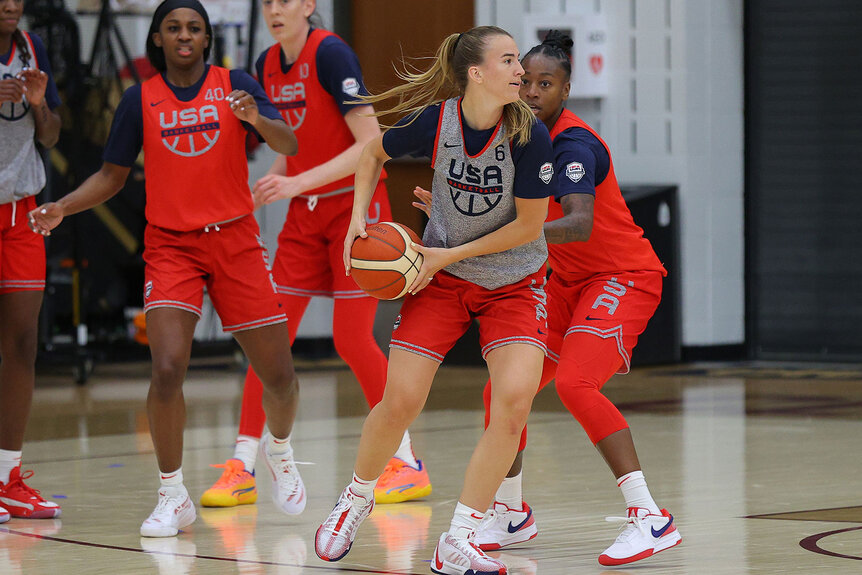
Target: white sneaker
(174,511)
(504,526)
(644,534)
(456,556)
(288,491)
(335,536)
(4,515)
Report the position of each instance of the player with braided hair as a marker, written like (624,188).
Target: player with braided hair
(28,97)
(605,286)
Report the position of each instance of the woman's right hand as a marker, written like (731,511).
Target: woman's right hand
(356,229)
(45,218)
(12,90)
(424,202)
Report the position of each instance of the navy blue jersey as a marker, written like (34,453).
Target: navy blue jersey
(52,98)
(580,161)
(337,63)
(127,137)
(418,140)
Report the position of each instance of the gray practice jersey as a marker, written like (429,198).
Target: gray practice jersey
(472,197)
(21,171)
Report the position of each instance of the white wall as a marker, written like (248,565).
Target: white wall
(673,115)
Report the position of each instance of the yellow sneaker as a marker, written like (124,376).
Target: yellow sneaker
(402,482)
(234,487)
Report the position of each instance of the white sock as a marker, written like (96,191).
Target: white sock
(246,451)
(363,487)
(275,445)
(405,451)
(173,479)
(465,521)
(510,494)
(9,460)
(636,493)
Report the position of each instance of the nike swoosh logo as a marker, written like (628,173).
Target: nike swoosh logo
(541,332)
(448,145)
(514,528)
(591,318)
(154,104)
(661,531)
(437,562)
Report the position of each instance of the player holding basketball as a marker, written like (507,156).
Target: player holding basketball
(484,258)
(605,286)
(314,77)
(191,121)
(28,98)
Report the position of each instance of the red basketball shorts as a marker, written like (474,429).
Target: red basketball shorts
(309,260)
(230,260)
(615,308)
(432,321)
(22,252)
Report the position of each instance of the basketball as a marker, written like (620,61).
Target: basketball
(383,264)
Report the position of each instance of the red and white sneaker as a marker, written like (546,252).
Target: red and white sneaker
(335,536)
(4,515)
(21,500)
(504,526)
(174,511)
(288,490)
(644,534)
(456,556)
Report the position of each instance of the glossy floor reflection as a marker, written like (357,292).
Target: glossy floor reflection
(758,463)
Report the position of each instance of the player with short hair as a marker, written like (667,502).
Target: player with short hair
(191,121)
(484,258)
(314,78)
(28,98)
(605,285)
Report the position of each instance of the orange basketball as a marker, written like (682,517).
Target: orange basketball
(383,264)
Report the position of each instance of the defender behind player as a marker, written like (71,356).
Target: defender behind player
(605,286)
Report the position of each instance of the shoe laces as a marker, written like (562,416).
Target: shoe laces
(285,472)
(470,549)
(630,526)
(18,486)
(347,502)
(232,474)
(167,503)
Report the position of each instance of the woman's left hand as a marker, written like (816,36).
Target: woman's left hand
(35,82)
(272,188)
(433,260)
(243,106)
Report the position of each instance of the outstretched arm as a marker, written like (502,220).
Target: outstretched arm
(98,188)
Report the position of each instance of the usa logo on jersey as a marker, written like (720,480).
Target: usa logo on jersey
(190,132)
(474,191)
(289,99)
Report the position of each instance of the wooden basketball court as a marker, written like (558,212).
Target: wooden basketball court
(759,464)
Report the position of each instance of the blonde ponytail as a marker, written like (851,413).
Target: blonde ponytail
(448,73)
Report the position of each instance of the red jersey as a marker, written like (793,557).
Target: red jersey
(310,110)
(195,164)
(616,243)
